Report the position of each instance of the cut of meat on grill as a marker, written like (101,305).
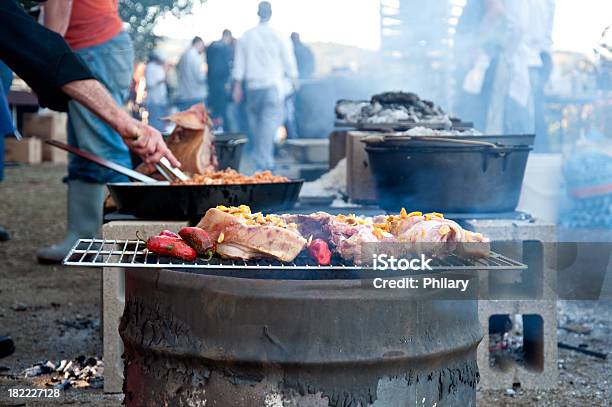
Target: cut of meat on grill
(192,140)
(473,246)
(240,234)
(435,237)
(400,225)
(313,226)
(428,234)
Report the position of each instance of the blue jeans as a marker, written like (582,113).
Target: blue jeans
(265,111)
(111,63)
(6,118)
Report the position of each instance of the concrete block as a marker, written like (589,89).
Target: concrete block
(533,243)
(113,297)
(541,371)
(529,292)
(512,229)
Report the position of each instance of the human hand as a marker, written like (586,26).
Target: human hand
(237,93)
(147,142)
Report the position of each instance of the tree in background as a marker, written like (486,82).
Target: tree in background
(143,14)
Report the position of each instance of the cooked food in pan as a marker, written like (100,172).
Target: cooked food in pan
(237,233)
(231,177)
(192,142)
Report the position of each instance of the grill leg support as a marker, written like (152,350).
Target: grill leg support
(113,297)
(531,293)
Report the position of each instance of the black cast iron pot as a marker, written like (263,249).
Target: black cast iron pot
(483,177)
(229,148)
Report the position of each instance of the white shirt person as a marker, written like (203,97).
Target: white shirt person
(264,62)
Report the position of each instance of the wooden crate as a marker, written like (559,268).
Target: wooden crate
(359,180)
(337,147)
(47,126)
(27,150)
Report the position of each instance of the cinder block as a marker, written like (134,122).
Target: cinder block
(113,297)
(532,292)
(542,372)
(533,243)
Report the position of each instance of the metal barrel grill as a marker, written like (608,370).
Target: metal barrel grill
(273,334)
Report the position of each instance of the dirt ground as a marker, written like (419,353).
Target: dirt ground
(54,312)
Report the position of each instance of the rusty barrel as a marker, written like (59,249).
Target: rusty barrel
(196,339)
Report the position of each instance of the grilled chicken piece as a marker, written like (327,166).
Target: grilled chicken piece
(192,140)
(351,248)
(236,239)
(436,237)
(403,225)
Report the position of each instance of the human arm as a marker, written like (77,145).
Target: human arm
(140,138)
(39,56)
(57,15)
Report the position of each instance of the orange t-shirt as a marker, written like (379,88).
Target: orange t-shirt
(93,22)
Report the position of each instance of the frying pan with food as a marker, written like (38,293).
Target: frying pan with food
(160,200)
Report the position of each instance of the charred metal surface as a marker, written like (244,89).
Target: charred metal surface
(202,340)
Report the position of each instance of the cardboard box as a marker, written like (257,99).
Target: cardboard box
(48,126)
(27,150)
(359,180)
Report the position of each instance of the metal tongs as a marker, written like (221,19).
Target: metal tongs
(169,172)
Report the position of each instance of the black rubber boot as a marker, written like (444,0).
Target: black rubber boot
(7,347)
(85,206)
(4,235)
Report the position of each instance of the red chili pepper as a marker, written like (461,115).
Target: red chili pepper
(198,239)
(171,246)
(319,250)
(168,233)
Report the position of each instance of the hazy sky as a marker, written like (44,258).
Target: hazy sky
(578,23)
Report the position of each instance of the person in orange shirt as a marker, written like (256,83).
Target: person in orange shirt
(94,30)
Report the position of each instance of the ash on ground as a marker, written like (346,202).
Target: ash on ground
(81,372)
(506,348)
(506,341)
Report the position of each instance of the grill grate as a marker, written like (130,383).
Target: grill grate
(133,253)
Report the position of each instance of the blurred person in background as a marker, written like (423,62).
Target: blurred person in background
(264,61)
(303,57)
(219,57)
(156,101)
(191,76)
(538,38)
(94,30)
(305,66)
(501,63)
